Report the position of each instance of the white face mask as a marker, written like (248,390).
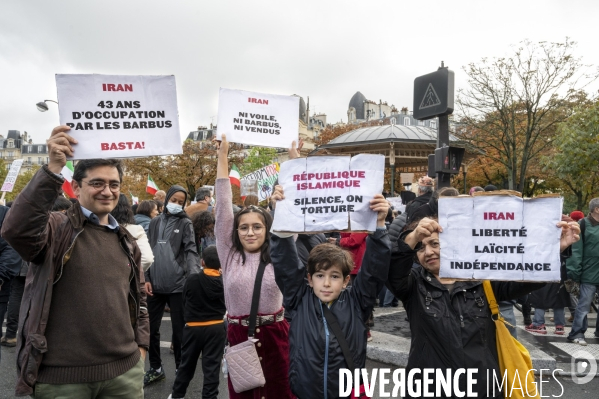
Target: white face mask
(173,208)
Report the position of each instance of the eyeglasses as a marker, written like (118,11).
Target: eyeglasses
(245,230)
(100,185)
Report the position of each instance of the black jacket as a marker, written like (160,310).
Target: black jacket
(175,252)
(449,330)
(417,203)
(10,261)
(311,353)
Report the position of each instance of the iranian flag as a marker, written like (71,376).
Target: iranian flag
(67,173)
(151,187)
(234,176)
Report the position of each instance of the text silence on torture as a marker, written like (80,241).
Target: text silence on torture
(328,193)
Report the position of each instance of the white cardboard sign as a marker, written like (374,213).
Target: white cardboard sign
(266,120)
(11,177)
(329,193)
(500,238)
(119,116)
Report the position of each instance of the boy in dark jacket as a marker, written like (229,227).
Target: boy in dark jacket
(204,332)
(315,355)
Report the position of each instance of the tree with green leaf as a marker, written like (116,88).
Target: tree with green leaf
(575,156)
(513,104)
(257,158)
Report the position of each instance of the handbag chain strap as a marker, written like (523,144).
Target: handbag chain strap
(256,299)
(334,324)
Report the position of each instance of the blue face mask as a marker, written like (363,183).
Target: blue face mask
(173,208)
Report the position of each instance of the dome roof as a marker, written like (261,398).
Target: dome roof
(389,132)
(357,101)
(302,108)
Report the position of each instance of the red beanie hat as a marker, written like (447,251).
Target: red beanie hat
(577,215)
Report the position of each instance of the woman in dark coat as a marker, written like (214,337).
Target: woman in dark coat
(450,321)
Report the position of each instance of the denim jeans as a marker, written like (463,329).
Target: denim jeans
(559,317)
(580,324)
(507,311)
(389,299)
(3,308)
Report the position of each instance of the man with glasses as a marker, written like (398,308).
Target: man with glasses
(86,330)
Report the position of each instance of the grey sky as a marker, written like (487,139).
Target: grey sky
(326,50)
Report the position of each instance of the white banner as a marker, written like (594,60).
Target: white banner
(267,120)
(11,177)
(118,116)
(266,178)
(499,237)
(329,193)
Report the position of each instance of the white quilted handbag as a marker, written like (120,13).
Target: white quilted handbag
(245,370)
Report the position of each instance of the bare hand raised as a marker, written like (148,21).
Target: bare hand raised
(426,227)
(59,148)
(380,205)
(570,234)
(294,151)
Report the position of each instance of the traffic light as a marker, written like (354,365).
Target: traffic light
(448,159)
(431,166)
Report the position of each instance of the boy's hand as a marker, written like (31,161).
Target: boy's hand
(380,205)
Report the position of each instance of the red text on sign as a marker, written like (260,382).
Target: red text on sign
(128,145)
(257,100)
(117,87)
(498,215)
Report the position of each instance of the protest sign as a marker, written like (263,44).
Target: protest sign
(266,178)
(329,193)
(11,177)
(117,116)
(267,120)
(500,237)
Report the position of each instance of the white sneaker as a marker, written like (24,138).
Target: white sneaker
(580,341)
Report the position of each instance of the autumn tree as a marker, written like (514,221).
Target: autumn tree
(257,158)
(192,169)
(25,175)
(575,156)
(514,103)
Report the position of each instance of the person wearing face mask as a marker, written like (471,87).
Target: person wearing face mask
(172,240)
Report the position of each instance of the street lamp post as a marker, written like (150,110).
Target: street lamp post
(42,106)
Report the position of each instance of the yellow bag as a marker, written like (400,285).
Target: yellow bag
(513,356)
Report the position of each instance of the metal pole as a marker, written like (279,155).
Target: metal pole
(392,160)
(443,179)
(393,180)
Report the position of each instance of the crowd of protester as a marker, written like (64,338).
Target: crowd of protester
(200,257)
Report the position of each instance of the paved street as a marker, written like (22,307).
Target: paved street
(387,321)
